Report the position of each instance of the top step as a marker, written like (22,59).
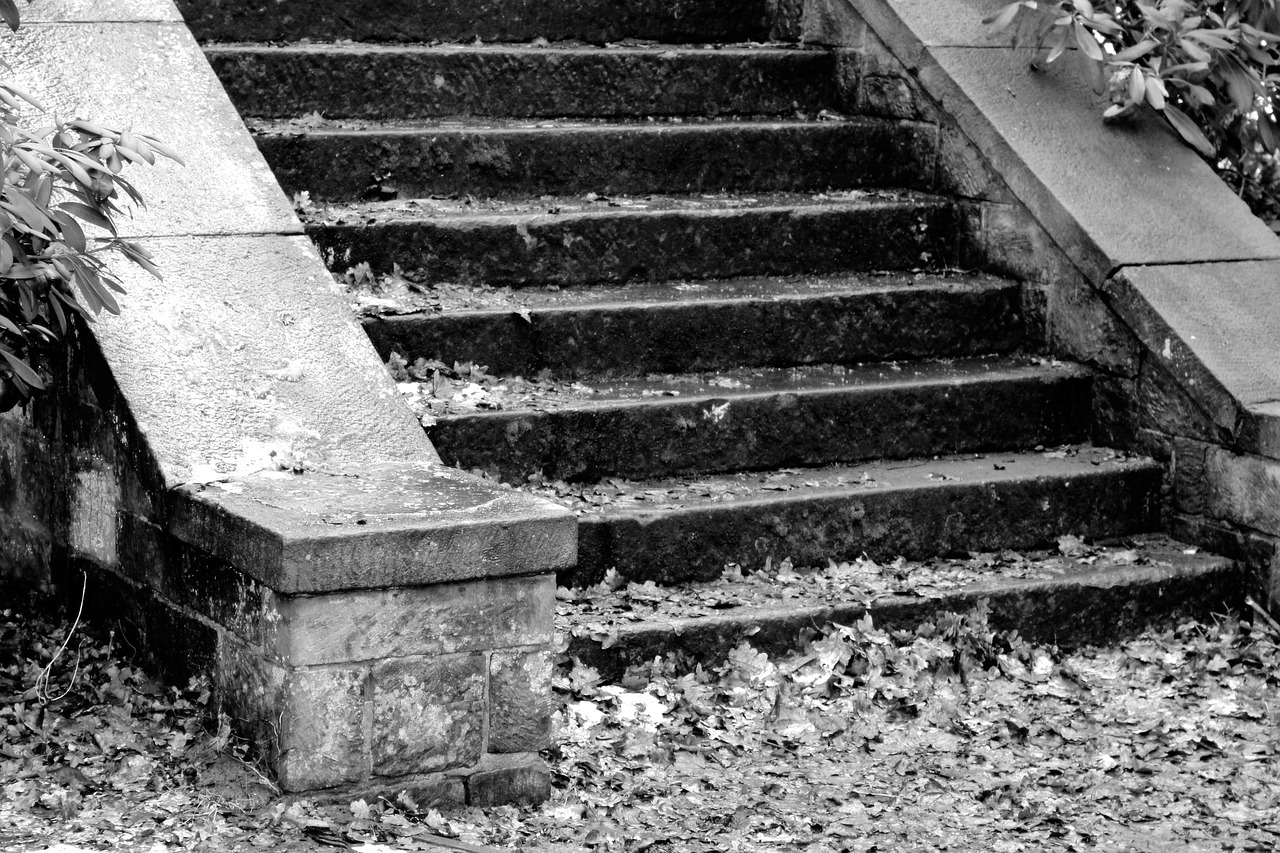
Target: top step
(405,82)
(593,21)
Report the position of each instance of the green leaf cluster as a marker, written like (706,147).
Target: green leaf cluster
(56,178)
(1207,66)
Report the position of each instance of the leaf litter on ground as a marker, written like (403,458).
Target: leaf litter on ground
(948,737)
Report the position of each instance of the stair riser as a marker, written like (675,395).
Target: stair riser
(695,544)
(676,437)
(652,246)
(1065,612)
(371,83)
(908,323)
(513,163)
(596,21)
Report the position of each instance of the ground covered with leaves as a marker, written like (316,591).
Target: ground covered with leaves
(950,737)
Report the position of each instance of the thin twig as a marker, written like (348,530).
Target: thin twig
(42,681)
(1261,611)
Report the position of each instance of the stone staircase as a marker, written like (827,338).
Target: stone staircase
(747,325)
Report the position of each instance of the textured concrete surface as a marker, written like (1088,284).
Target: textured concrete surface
(1099,604)
(676,328)
(914,510)
(443,619)
(428,714)
(669,21)
(322,732)
(1216,326)
(828,235)
(153,78)
(99,11)
(362,81)
(520,700)
(337,164)
(243,351)
(1112,194)
(685,427)
(385,525)
(949,24)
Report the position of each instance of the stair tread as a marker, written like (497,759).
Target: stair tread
(616,497)
(558,208)
(322,126)
(861,582)
(400,298)
(1104,593)
(667,51)
(518,397)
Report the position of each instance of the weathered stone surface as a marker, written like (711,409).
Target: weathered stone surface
(1258,554)
(428,714)
(963,170)
(377,526)
(884,509)
(672,328)
(251,690)
(323,742)
(1164,404)
(886,87)
(78,11)
(1033,127)
(1008,242)
(597,21)
(949,24)
(791,235)
(94,502)
(832,23)
(441,619)
(245,350)
(520,700)
(154,78)
(653,428)
(431,791)
(511,161)
(1114,411)
(1215,328)
(366,82)
(1243,490)
(522,779)
(1082,326)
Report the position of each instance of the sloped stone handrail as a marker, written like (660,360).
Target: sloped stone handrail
(1178,284)
(237,455)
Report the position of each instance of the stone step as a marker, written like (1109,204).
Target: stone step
(571,241)
(595,21)
(684,529)
(1096,596)
(610,331)
(353,161)
(756,419)
(420,81)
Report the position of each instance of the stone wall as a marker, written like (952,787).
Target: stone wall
(1149,268)
(229,471)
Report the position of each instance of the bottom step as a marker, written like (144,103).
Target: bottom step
(677,530)
(1078,595)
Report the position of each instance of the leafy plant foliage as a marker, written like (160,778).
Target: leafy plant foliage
(55,177)
(1207,66)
